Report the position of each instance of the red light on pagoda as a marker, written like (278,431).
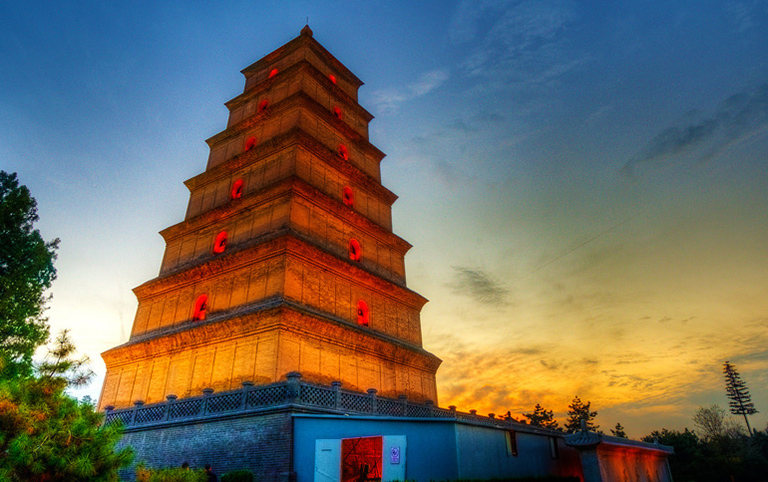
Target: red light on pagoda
(362,313)
(343,152)
(355,251)
(220,244)
(237,189)
(201,307)
(348,196)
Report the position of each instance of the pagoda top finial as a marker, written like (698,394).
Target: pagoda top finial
(306,31)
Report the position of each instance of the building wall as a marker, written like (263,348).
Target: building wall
(483,454)
(439,450)
(431,446)
(261,444)
(632,465)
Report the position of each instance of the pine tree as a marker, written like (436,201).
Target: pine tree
(619,431)
(48,435)
(738,393)
(542,418)
(577,412)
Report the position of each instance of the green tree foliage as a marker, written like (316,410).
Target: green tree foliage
(47,435)
(542,418)
(578,411)
(619,431)
(738,394)
(26,272)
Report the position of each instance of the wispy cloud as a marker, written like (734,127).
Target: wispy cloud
(476,284)
(524,42)
(735,119)
(388,100)
(742,14)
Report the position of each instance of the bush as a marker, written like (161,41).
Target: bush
(238,476)
(143,474)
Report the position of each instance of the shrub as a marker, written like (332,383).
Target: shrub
(238,476)
(143,474)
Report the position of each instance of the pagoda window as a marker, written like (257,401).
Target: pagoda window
(355,251)
(220,244)
(348,196)
(263,104)
(362,313)
(237,189)
(201,307)
(343,152)
(250,143)
(332,78)
(272,73)
(337,112)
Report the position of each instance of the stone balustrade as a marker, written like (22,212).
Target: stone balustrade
(295,393)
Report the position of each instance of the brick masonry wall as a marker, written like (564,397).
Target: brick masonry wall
(261,443)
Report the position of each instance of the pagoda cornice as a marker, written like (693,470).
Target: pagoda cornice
(302,66)
(272,314)
(302,40)
(295,136)
(279,189)
(284,242)
(299,99)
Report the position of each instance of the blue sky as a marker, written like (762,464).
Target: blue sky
(584,183)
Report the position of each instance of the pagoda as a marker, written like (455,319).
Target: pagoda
(286,260)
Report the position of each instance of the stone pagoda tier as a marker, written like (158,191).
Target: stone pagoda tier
(286,260)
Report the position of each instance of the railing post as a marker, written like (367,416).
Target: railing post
(473,413)
(372,394)
(404,401)
(247,384)
(168,401)
(452,408)
(431,406)
(107,411)
(294,387)
(204,405)
(337,394)
(136,406)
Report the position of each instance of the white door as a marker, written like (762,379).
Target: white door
(393,455)
(327,460)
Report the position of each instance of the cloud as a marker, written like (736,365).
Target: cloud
(524,42)
(388,100)
(477,285)
(736,119)
(742,14)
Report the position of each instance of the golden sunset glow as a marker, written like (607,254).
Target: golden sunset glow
(584,188)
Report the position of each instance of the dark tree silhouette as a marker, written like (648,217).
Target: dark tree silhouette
(26,272)
(619,431)
(738,393)
(577,412)
(542,418)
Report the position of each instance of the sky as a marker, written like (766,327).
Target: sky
(584,183)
